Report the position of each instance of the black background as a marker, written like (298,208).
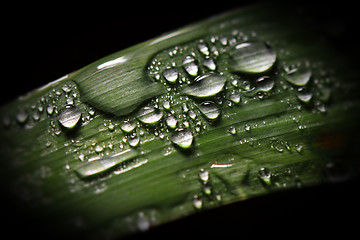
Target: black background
(46,41)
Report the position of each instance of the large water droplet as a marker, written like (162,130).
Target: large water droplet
(209,109)
(69,116)
(298,76)
(251,57)
(149,115)
(182,138)
(206,85)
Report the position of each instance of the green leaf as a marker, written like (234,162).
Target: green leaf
(246,104)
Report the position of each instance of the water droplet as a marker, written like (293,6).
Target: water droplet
(127,126)
(134,140)
(149,115)
(204,175)
(206,85)
(111,127)
(190,66)
(197,202)
(232,130)
(171,121)
(99,148)
(251,57)
(298,76)
(69,116)
(171,74)
(21,116)
(209,109)
(203,48)
(264,84)
(143,222)
(207,188)
(265,175)
(304,95)
(209,63)
(182,138)
(298,147)
(166,104)
(235,97)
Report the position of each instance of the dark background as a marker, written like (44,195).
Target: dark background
(44,42)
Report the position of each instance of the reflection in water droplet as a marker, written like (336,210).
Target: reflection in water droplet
(182,138)
(298,76)
(209,109)
(69,116)
(206,85)
(251,57)
(149,115)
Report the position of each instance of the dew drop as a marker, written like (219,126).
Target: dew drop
(204,175)
(21,116)
(251,57)
(235,97)
(197,202)
(298,76)
(149,115)
(171,74)
(190,66)
(134,141)
(166,104)
(304,95)
(69,116)
(182,138)
(232,130)
(264,175)
(209,63)
(209,109)
(203,48)
(127,126)
(206,85)
(171,121)
(99,148)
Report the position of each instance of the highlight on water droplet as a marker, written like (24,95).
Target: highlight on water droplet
(251,57)
(206,85)
(69,116)
(183,138)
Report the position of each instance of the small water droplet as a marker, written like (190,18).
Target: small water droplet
(99,148)
(22,116)
(298,147)
(209,109)
(166,104)
(190,66)
(204,175)
(209,63)
(251,57)
(203,48)
(69,116)
(111,127)
(264,175)
(235,97)
(197,202)
(298,76)
(134,140)
(183,138)
(207,188)
(127,126)
(206,85)
(149,115)
(171,74)
(232,130)
(143,222)
(171,121)
(304,95)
